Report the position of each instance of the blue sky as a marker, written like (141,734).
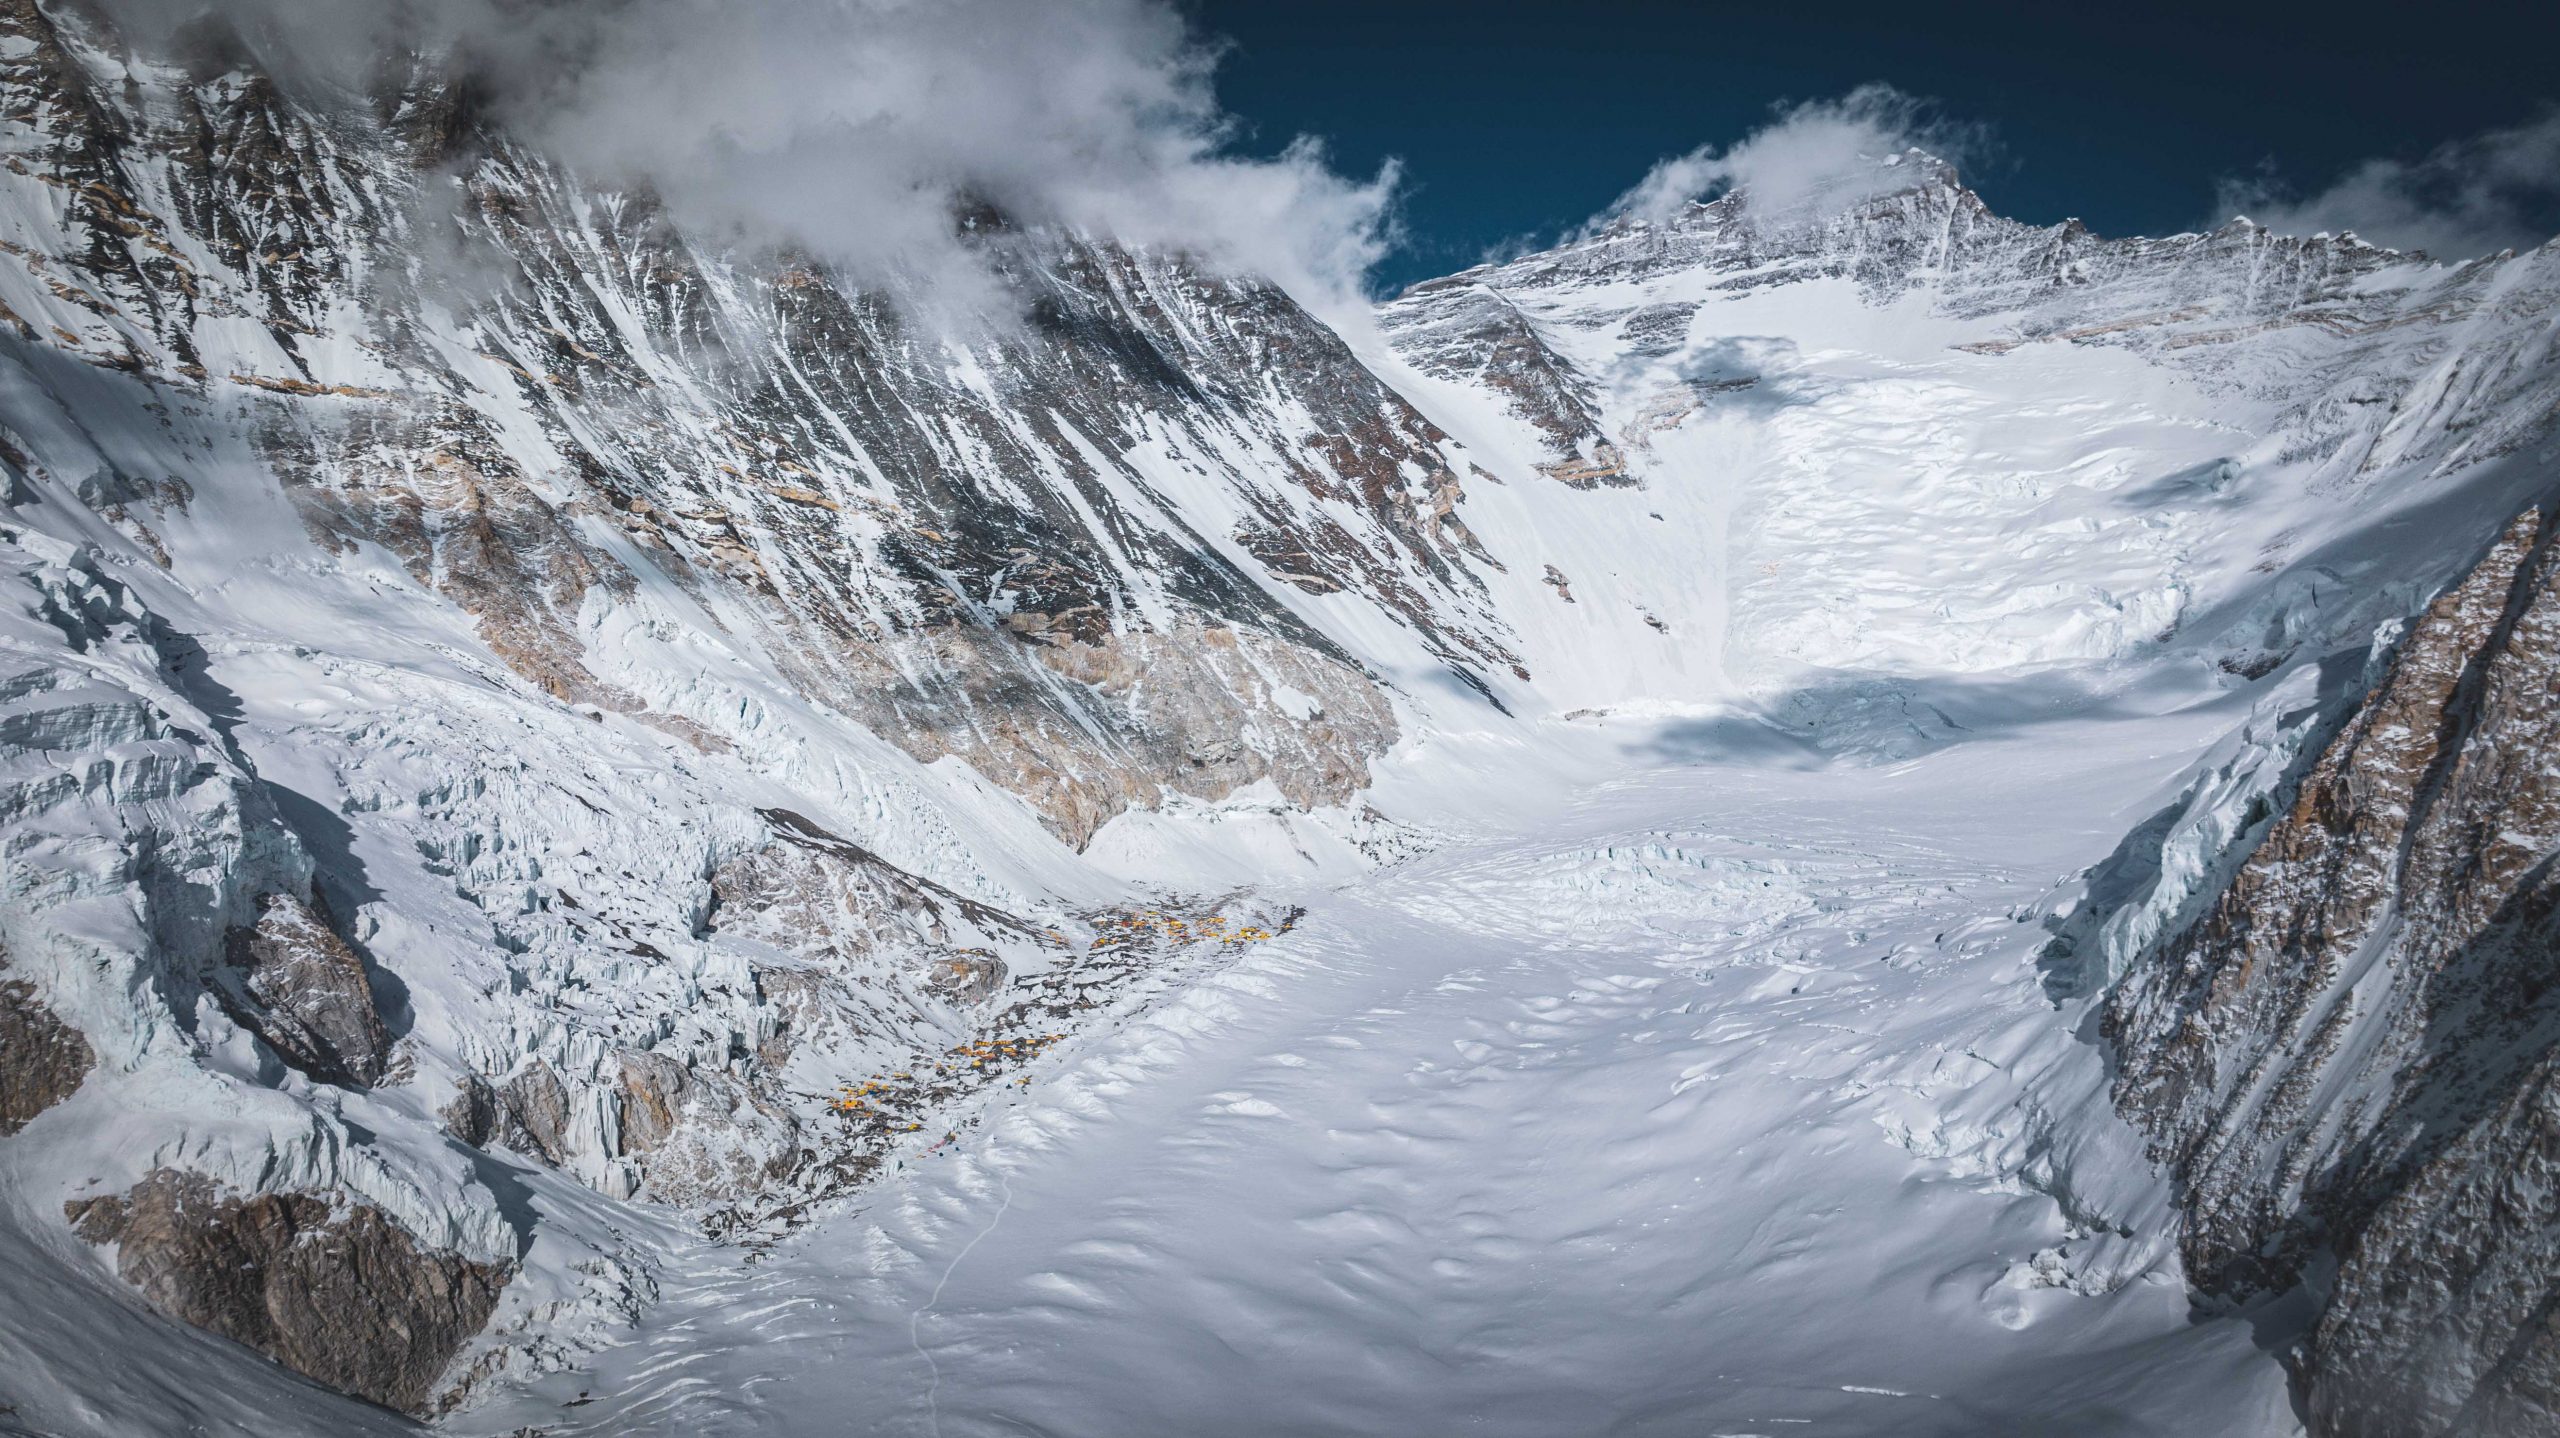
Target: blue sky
(1519,120)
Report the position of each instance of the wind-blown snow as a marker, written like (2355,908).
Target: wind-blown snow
(1714,1101)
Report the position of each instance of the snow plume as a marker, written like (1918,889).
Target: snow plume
(2497,190)
(1817,157)
(857,129)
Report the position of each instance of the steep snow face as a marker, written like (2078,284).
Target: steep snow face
(1079,546)
(1916,442)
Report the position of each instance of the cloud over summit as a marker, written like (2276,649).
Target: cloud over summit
(2496,190)
(1817,156)
(854,129)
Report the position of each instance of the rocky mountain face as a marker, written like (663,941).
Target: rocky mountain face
(2349,1058)
(273,355)
(532,393)
(508,708)
(349,1299)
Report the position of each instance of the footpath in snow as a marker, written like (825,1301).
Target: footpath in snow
(1718,1099)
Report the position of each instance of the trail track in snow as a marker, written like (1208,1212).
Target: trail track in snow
(933,1390)
(1713,1105)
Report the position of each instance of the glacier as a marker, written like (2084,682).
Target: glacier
(705,830)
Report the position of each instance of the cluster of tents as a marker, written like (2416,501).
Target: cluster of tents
(852,1100)
(891,1099)
(1181,930)
(978,1051)
(877,1096)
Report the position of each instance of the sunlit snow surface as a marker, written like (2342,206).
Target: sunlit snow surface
(1687,1103)
(1697,1077)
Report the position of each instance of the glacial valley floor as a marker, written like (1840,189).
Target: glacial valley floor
(1714,1097)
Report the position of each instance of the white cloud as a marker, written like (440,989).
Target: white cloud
(2497,190)
(855,128)
(1819,157)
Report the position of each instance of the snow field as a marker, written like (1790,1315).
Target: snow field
(1716,1103)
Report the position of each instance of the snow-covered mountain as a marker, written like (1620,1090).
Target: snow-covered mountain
(531,737)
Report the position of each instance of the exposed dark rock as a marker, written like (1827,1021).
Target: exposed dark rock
(652,1099)
(335,1291)
(292,981)
(2352,1062)
(1462,329)
(42,1059)
(529,1114)
(536,1114)
(475,1112)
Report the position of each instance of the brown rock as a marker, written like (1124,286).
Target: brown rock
(536,1120)
(2352,1061)
(475,1112)
(529,1115)
(335,1291)
(296,984)
(42,1059)
(652,1099)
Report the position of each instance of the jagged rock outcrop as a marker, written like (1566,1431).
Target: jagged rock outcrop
(968,978)
(529,1114)
(1464,329)
(42,1059)
(2352,1061)
(293,981)
(340,1293)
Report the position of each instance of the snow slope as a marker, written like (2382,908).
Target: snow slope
(1719,1100)
(1917,441)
